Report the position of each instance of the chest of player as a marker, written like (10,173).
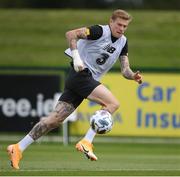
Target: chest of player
(106,47)
(104,52)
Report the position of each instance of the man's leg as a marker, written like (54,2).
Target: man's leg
(109,103)
(61,112)
(104,97)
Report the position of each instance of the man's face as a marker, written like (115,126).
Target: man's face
(118,27)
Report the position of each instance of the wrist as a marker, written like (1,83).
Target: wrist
(128,74)
(75,54)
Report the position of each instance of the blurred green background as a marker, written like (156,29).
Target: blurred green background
(32,37)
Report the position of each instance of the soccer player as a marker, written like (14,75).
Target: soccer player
(93,50)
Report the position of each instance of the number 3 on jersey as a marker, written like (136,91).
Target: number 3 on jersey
(102,59)
(104,56)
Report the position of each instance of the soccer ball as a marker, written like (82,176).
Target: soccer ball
(101,122)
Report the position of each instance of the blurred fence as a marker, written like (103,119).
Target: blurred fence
(100,4)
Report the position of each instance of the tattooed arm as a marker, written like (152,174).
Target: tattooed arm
(125,69)
(74,35)
(127,72)
(72,38)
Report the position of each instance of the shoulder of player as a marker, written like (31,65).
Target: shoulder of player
(95,32)
(125,39)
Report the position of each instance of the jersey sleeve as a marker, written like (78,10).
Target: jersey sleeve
(125,49)
(95,32)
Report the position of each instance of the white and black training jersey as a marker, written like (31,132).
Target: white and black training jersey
(100,50)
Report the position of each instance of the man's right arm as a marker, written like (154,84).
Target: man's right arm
(72,37)
(90,33)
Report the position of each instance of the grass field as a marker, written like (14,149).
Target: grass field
(114,159)
(37,37)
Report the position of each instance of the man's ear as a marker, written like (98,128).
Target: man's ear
(111,20)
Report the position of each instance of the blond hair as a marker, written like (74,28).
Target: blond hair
(121,14)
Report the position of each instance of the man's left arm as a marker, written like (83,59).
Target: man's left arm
(127,72)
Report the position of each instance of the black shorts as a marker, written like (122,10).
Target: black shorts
(78,85)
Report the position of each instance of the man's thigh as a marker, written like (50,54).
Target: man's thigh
(102,95)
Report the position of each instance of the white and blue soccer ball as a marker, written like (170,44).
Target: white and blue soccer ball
(101,122)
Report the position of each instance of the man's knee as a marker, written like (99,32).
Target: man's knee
(115,105)
(61,112)
(112,106)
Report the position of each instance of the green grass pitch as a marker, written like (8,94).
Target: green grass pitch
(115,159)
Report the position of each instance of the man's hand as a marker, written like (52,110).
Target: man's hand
(78,63)
(137,77)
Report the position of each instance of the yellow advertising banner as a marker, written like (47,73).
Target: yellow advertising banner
(149,109)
